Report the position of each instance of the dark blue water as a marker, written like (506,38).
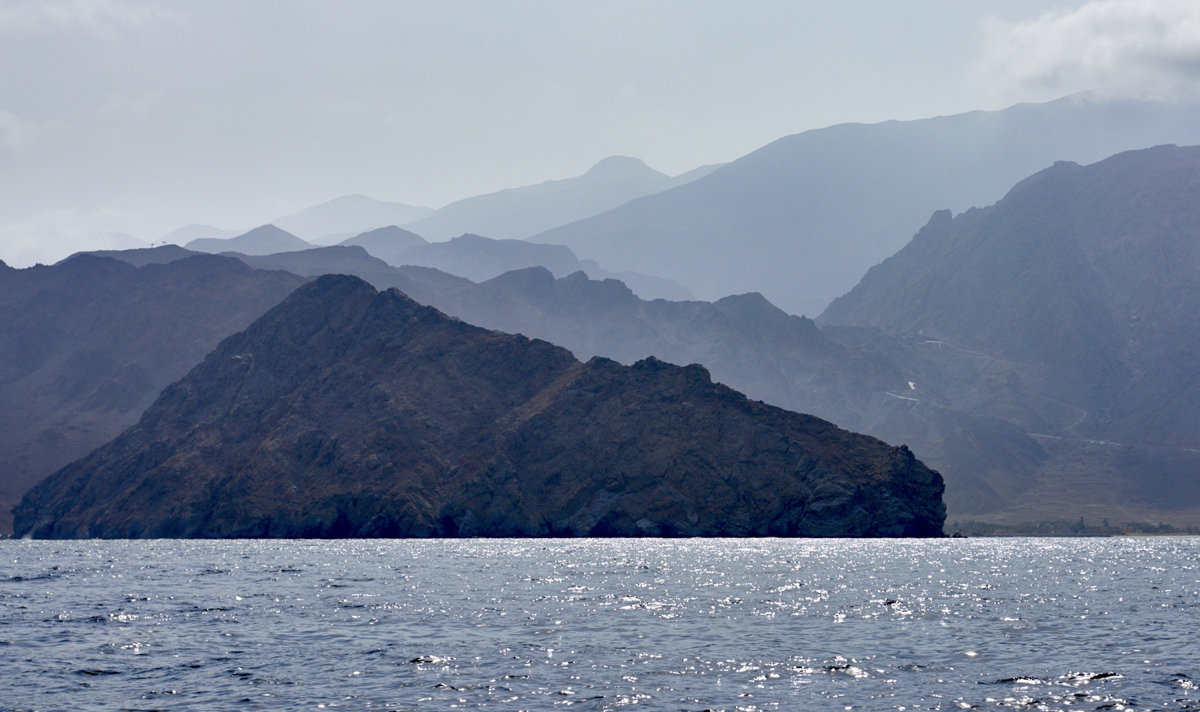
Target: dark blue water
(762,624)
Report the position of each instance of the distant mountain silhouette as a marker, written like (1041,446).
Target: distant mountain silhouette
(140,257)
(263,240)
(518,213)
(482,258)
(347,216)
(802,218)
(348,412)
(386,242)
(1071,308)
(184,235)
(87,344)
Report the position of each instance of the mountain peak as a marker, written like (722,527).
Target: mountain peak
(262,240)
(621,167)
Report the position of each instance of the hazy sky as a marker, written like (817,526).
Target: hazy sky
(123,115)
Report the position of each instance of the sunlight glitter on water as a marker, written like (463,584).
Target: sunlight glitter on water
(603,624)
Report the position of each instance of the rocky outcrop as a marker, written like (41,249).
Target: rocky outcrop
(349,412)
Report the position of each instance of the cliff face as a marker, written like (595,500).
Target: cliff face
(348,412)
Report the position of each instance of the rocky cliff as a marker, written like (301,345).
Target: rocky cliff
(349,412)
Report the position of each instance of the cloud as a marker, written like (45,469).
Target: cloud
(1144,49)
(98,17)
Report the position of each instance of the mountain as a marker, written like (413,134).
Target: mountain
(421,283)
(347,216)
(518,213)
(349,412)
(803,218)
(480,258)
(262,240)
(184,235)
(1075,302)
(858,378)
(985,423)
(140,257)
(87,344)
(385,242)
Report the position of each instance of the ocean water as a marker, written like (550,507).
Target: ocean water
(759,624)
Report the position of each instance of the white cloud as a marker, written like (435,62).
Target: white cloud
(100,17)
(1146,49)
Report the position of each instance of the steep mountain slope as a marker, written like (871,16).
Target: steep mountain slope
(802,219)
(347,412)
(87,344)
(518,213)
(262,240)
(1080,291)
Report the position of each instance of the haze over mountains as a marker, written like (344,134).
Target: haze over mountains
(347,216)
(802,218)
(263,240)
(997,415)
(518,213)
(1040,352)
(470,256)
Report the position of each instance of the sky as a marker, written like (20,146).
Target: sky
(139,117)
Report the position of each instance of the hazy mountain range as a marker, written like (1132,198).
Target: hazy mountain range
(347,216)
(802,218)
(471,256)
(263,240)
(518,213)
(1040,352)
(997,413)
(514,213)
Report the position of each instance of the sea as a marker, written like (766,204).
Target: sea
(602,624)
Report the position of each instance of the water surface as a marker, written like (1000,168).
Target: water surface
(699,624)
